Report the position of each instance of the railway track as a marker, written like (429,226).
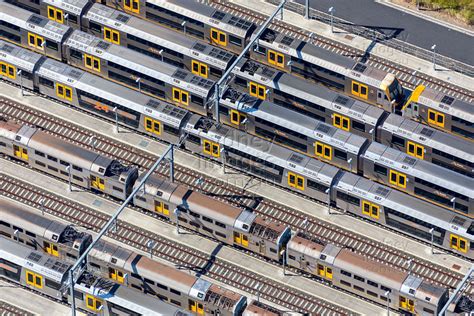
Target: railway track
(181,256)
(12,310)
(409,78)
(297,220)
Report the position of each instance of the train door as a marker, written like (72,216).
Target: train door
(93,303)
(196,307)
(116,275)
(162,208)
(325,272)
(406,304)
(20,152)
(97,183)
(50,248)
(262,247)
(241,239)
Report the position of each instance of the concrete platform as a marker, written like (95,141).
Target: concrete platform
(407,245)
(259,267)
(380,50)
(31,302)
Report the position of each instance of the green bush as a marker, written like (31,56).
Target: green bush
(463,9)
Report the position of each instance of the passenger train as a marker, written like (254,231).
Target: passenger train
(169,123)
(222,30)
(120,267)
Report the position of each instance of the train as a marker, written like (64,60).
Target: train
(207,58)
(171,124)
(337,266)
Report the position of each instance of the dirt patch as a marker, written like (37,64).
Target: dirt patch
(442,14)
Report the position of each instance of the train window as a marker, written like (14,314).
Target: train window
(235,40)
(398,141)
(112,36)
(344,272)
(276,59)
(116,275)
(324,272)
(35,41)
(132,6)
(458,243)
(34,279)
(372,294)
(77,168)
(236,117)
(3,144)
(257,90)
(180,96)
(152,126)
(416,150)
(358,278)
(39,163)
(207,229)
(345,283)
(340,121)
(397,178)
(175,302)
(91,62)
(199,69)
(358,126)
(117,189)
(93,303)
(46,82)
(372,283)
(435,118)
(52,284)
(4,224)
(358,288)
(379,169)
(207,219)
(429,311)
(175,292)
(211,148)
(323,150)
(292,257)
(220,235)
(7,70)
(220,224)
(64,92)
(360,90)
(295,181)
(55,14)
(218,37)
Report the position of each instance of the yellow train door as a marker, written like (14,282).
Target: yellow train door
(97,183)
(20,152)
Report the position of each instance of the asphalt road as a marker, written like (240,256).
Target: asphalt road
(404,26)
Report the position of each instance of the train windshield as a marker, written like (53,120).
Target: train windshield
(395,89)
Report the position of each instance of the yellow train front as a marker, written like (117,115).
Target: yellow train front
(213,218)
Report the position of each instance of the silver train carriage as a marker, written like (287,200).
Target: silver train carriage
(139,72)
(59,158)
(429,144)
(365,277)
(406,214)
(293,130)
(47,275)
(32,31)
(339,72)
(314,101)
(213,218)
(158,42)
(425,180)
(192,18)
(168,284)
(53,237)
(67,12)
(440,111)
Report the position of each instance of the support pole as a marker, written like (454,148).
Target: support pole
(222,80)
(108,225)
(306,10)
(171,161)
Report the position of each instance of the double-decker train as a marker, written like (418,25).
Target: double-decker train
(167,122)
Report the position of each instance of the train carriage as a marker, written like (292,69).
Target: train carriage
(429,144)
(139,72)
(441,111)
(408,215)
(321,65)
(314,101)
(158,42)
(111,100)
(32,31)
(192,18)
(18,65)
(293,130)
(418,177)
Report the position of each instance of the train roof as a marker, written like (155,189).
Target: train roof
(441,102)
(34,23)
(260,309)
(235,139)
(73,6)
(20,57)
(207,15)
(405,204)
(323,57)
(35,261)
(161,36)
(226,299)
(418,168)
(198,202)
(314,93)
(294,121)
(18,215)
(9,129)
(305,246)
(134,100)
(428,136)
(141,63)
